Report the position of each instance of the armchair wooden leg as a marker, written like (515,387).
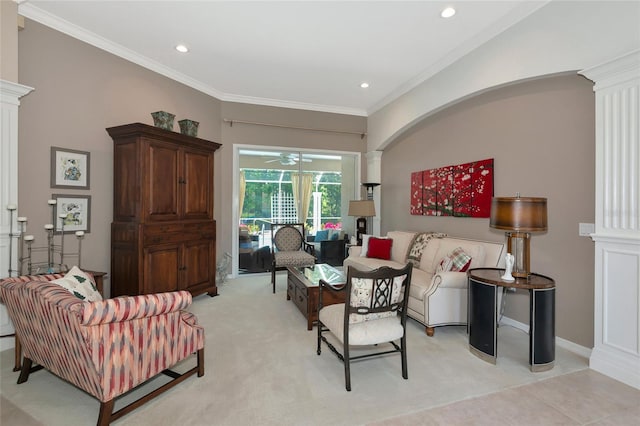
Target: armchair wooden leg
(273,277)
(106,408)
(403,354)
(26,369)
(200,356)
(347,370)
(17,354)
(429,331)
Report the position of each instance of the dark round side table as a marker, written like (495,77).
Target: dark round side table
(483,311)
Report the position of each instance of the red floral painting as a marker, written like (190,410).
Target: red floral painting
(416,193)
(464,190)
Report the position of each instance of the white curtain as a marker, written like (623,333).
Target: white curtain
(307,186)
(243,186)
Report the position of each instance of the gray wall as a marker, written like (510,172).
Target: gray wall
(540,134)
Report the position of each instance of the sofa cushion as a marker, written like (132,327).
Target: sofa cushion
(80,285)
(472,248)
(322,235)
(336,234)
(456,260)
(365,244)
(363,333)
(427,262)
(380,248)
(421,282)
(401,241)
(368,264)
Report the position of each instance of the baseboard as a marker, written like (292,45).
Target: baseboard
(560,342)
(617,365)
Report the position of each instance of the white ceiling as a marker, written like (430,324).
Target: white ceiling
(308,55)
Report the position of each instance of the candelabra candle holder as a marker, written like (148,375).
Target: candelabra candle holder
(51,248)
(12,208)
(79,236)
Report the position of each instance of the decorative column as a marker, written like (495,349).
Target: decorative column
(616,351)
(374,174)
(10,94)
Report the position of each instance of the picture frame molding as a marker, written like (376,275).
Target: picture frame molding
(87,216)
(57,181)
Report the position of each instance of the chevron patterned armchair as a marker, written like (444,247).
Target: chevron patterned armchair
(107,347)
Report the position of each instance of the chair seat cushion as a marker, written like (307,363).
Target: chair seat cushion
(362,333)
(293,258)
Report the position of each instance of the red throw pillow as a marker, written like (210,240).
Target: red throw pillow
(380,248)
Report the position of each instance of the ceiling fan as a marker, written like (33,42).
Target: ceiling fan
(288,159)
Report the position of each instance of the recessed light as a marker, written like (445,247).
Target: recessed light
(364,85)
(182,48)
(448,12)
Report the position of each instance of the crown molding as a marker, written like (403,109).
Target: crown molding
(614,72)
(292,104)
(10,92)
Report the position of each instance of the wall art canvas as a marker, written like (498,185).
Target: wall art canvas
(69,168)
(463,190)
(75,211)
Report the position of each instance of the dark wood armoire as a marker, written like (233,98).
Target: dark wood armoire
(163,235)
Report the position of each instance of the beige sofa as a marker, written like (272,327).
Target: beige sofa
(435,299)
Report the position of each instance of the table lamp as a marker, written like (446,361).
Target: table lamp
(361,209)
(519,216)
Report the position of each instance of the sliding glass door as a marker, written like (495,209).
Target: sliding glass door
(290,187)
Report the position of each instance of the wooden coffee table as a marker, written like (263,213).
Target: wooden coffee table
(302,288)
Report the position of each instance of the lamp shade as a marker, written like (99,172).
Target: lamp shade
(522,214)
(362,208)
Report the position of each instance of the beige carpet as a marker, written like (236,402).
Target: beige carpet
(262,369)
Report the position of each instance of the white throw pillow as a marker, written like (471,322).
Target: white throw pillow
(80,285)
(365,245)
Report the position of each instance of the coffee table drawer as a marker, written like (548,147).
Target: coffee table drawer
(301,300)
(302,288)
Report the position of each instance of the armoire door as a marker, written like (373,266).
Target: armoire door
(197,185)
(162,182)
(161,268)
(199,264)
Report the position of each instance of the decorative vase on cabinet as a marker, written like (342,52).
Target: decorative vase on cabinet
(163,235)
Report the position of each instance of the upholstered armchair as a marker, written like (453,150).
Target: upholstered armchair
(329,246)
(289,248)
(107,347)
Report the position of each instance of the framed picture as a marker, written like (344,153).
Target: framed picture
(76,210)
(69,168)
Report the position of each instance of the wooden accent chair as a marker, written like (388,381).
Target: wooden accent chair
(289,248)
(107,347)
(374,313)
